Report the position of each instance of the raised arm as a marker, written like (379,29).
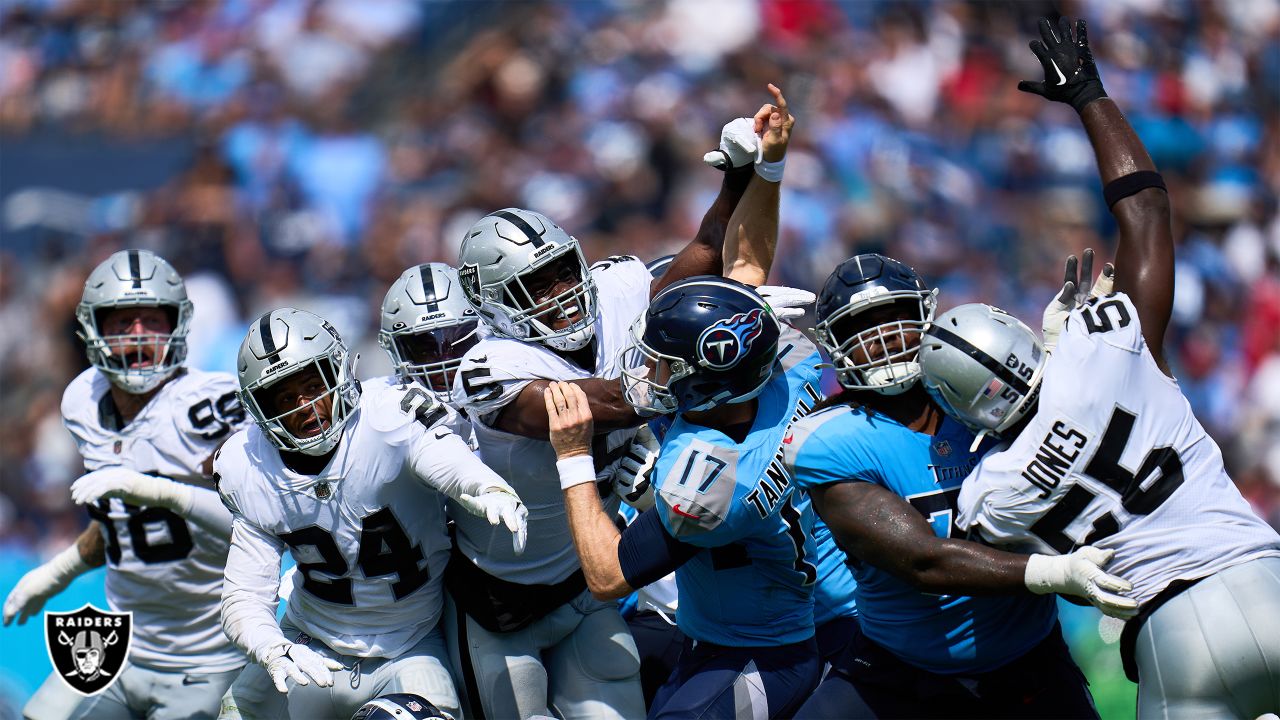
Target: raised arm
(880,528)
(704,255)
(1133,189)
(752,234)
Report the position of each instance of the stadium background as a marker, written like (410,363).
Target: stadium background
(304,152)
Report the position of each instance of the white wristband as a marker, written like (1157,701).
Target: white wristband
(576,470)
(771,171)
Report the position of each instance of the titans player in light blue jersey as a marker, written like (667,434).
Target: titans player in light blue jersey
(711,352)
(884,466)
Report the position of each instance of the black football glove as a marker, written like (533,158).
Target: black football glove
(1069,73)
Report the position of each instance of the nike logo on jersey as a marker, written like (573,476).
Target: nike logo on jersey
(1062,79)
(189,680)
(676,509)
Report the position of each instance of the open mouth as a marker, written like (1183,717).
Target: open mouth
(311,426)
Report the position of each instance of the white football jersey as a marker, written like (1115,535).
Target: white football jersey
(165,570)
(368,536)
(493,373)
(1115,458)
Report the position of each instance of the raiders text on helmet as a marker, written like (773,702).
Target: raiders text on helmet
(135,278)
(507,249)
(882,356)
(288,341)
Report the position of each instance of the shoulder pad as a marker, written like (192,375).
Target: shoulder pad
(206,406)
(392,408)
(1112,319)
(696,493)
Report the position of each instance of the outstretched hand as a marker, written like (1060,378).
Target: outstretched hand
(1077,288)
(773,123)
(1070,75)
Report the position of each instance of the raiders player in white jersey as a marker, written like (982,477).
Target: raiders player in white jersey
(147,428)
(349,479)
(1102,449)
(426,327)
(529,637)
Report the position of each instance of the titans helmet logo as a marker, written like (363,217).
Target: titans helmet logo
(722,345)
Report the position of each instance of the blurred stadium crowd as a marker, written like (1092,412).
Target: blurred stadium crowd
(304,152)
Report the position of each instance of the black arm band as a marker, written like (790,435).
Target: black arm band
(1131,184)
(647,552)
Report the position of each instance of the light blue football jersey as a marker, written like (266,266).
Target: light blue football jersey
(940,633)
(833,594)
(753,583)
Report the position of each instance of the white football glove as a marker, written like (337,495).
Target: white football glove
(36,587)
(301,663)
(788,303)
(631,480)
(1080,574)
(500,504)
(739,146)
(132,487)
(1075,292)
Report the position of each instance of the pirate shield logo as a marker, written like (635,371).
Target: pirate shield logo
(88,647)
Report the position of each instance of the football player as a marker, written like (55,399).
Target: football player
(146,427)
(426,327)
(710,352)
(530,637)
(348,478)
(883,467)
(1101,448)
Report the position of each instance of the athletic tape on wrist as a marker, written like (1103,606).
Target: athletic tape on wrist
(576,470)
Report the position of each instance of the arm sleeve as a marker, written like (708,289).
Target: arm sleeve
(250,588)
(648,553)
(208,512)
(444,461)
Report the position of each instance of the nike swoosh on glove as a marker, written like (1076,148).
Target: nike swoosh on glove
(501,505)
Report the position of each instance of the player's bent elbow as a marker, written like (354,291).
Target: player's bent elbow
(1147,203)
(607,588)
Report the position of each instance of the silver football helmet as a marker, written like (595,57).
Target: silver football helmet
(427,326)
(135,278)
(982,366)
(509,260)
(288,341)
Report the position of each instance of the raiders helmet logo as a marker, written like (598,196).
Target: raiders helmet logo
(88,646)
(469,278)
(720,346)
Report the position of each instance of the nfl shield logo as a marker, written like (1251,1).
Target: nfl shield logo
(88,646)
(943,448)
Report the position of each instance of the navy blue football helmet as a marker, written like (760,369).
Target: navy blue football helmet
(400,706)
(871,314)
(704,341)
(659,266)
